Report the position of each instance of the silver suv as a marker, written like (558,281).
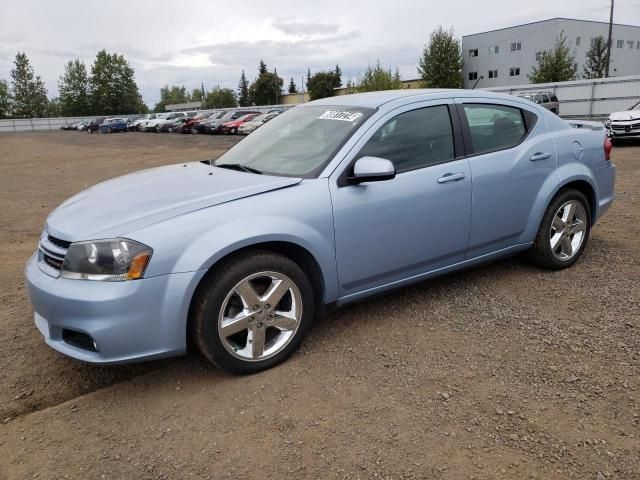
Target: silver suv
(546,100)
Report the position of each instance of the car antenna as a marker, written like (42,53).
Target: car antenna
(211,165)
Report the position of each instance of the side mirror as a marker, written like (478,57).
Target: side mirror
(372,169)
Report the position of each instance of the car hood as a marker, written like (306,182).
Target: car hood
(125,204)
(625,115)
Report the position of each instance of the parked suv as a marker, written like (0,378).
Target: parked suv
(94,125)
(111,125)
(546,100)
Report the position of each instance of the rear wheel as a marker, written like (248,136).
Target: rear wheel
(252,312)
(564,231)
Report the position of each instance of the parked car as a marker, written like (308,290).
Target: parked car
(190,125)
(158,123)
(625,124)
(69,126)
(113,125)
(232,126)
(94,125)
(546,100)
(82,126)
(249,126)
(328,203)
(135,125)
(215,126)
(204,126)
(174,125)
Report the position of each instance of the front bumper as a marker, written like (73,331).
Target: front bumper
(128,321)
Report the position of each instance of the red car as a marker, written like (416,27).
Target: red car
(232,126)
(189,126)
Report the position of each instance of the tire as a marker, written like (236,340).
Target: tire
(568,231)
(218,299)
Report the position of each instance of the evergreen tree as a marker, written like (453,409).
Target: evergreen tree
(338,73)
(308,77)
(292,86)
(172,95)
(441,63)
(5,100)
(113,89)
(596,64)
(243,90)
(555,65)
(262,68)
(29,96)
(377,78)
(73,87)
(267,88)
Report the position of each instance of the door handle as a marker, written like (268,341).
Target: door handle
(451,177)
(540,156)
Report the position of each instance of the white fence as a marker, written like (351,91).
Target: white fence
(586,98)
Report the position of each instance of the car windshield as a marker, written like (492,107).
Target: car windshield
(297,143)
(636,106)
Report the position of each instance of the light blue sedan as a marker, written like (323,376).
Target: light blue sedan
(330,202)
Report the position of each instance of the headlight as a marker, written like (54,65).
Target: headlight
(607,123)
(106,260)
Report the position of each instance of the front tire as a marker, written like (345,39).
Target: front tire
(252,312)
(564,231)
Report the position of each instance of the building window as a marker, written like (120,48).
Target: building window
(494,50)
(620,44)
(473,75)
(578,41)
(473,52)
(514,72)
(493,73)
(538,56)
(630,44)
(516,46)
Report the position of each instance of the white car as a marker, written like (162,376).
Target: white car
(247,127)
(138,123)
(625,124)
(160,120)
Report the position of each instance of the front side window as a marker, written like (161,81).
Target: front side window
(494,127)
(299,142)
(414,139)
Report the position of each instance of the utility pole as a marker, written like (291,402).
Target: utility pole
(609,41)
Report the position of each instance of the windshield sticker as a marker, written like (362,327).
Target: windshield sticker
(340,115)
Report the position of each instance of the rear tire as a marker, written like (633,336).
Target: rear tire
(564,231)
(240,319)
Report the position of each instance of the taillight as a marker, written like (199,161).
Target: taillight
(608,146)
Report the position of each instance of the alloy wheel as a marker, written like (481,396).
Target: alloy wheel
(260,316)
(568,230)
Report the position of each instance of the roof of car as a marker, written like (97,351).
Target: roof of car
(377,99)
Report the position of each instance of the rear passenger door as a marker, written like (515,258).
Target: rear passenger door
(510,156)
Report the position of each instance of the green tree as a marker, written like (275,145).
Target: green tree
(54,108)
(267,88)
(113,89)
(377,78)
(243,89)
(308,77)
(5,100)
(440,65)
(323,84)
(292,86)
(596,63)
(73,87)
(555,65)
(29,96)
(221,98)
(196,95)
(172,95)
(338,73)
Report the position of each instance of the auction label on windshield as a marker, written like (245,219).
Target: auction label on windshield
(340,115)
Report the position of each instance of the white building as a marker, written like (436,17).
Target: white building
(506,56)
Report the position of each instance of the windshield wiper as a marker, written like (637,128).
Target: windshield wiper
(239,167)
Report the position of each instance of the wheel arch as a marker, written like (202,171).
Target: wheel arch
(293,251)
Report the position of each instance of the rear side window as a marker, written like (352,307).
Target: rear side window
(414,139)
(494,127)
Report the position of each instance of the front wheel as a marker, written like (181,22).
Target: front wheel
(252,312)
(564,231)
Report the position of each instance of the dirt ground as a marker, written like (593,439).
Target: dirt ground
(502,371)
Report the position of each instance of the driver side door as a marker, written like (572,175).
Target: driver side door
(389,232)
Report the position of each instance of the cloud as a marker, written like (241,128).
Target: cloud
(293,27)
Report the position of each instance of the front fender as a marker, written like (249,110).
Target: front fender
(564,174)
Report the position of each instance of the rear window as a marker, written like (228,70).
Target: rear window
(494,127)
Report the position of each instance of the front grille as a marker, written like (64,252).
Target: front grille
(52,261)
(58,242)
(634,126)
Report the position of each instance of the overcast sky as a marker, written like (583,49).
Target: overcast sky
(190,42)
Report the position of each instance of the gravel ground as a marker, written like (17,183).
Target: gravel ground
(502,371)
